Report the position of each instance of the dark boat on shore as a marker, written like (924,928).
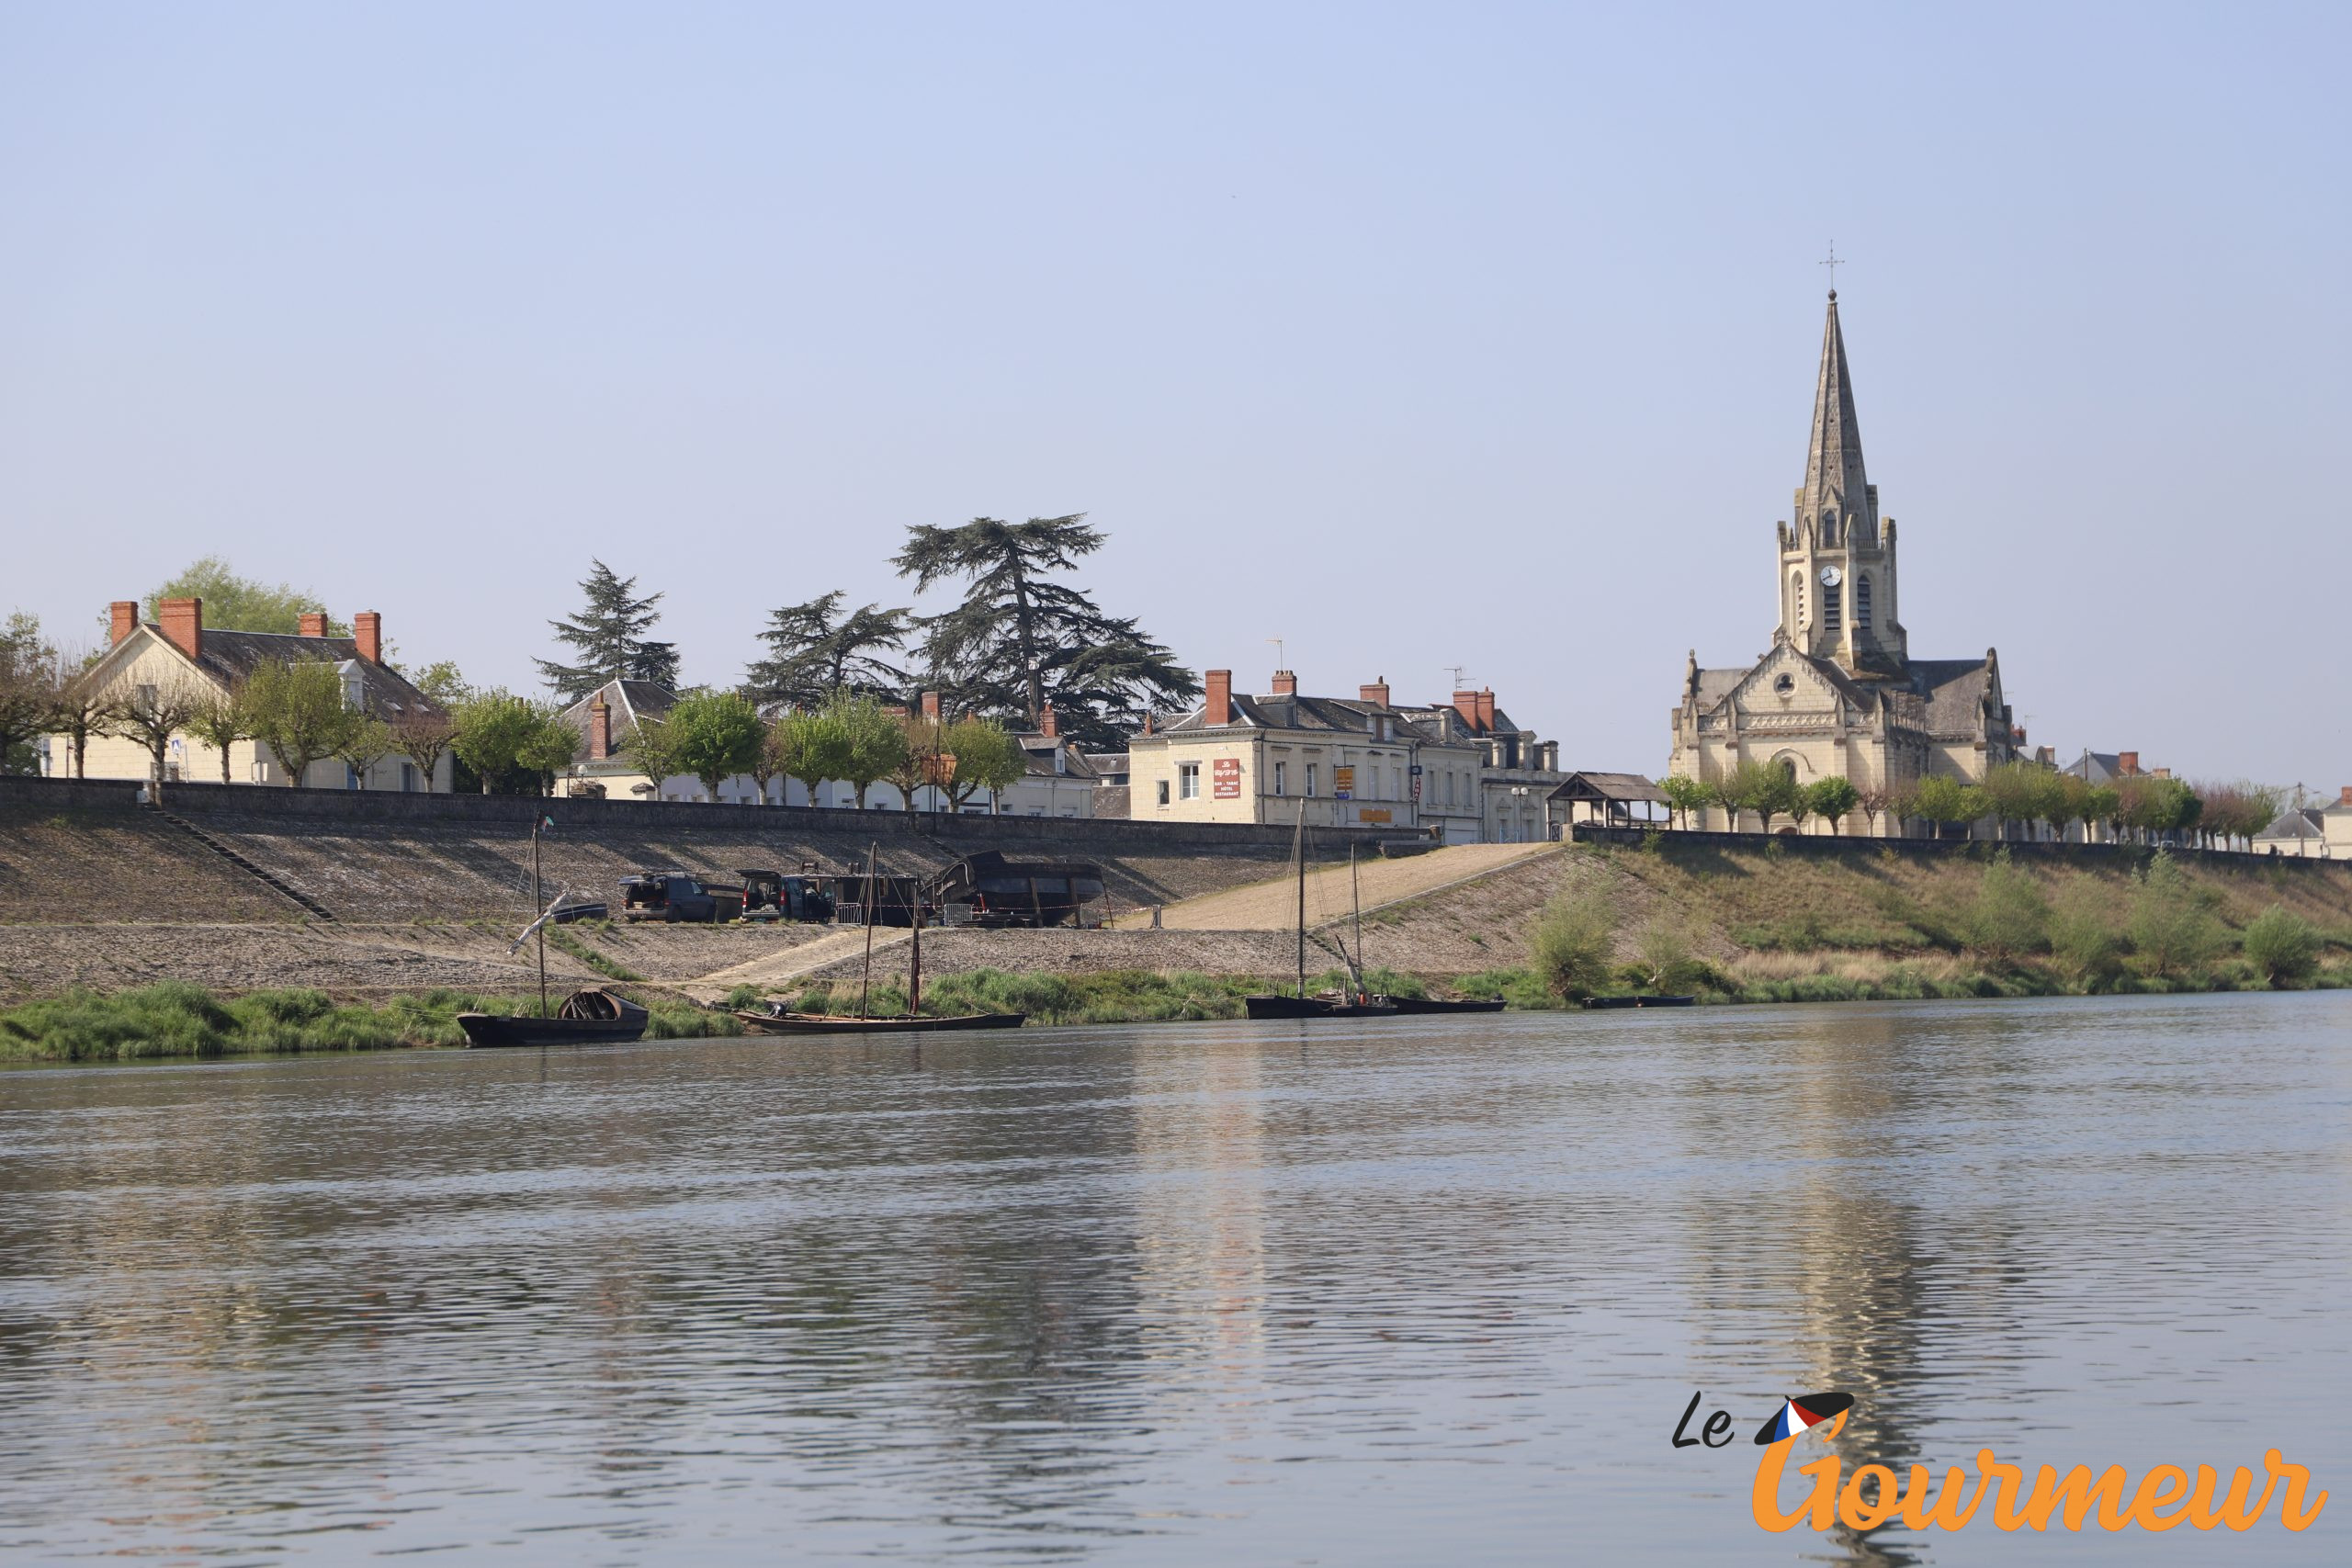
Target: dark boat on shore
(1612,1003)
(1320,1007)
(587,1017)
(1432,1004)
(781,1022)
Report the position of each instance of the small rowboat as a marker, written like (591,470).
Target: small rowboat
(1613,1003)
(587,1017)
(782,1023)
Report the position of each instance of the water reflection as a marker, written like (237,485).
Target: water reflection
(1380,1293)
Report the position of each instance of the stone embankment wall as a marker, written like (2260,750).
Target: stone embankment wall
(72,849)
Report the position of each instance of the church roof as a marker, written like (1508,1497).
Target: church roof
(1833,466)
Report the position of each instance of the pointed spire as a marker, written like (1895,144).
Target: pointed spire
(1835,486)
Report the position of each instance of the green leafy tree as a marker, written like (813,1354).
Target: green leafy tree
(424,737)
(814,651)
(1021,639)
(2017,792)
(713,736)
(810,748)
(873,744)
(1769,789)
(609,638)
(1572,941)
(298,711)
(2011,917)
(984,756)
(2172,926)
(234,603)
(2149,806)
(494,732)
(443,684)
(2281,945)
(551,749)
(1832,796)
(921,761)
(2083,938)
(28,691)
(1947,802)
(220,721)
(1665,959)
(367,742)
(1684,796)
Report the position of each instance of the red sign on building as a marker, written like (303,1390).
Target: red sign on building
(1224,778)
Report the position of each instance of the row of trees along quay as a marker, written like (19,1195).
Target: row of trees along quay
(2015,794)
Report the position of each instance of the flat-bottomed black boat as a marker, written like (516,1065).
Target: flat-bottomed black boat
(587,1017)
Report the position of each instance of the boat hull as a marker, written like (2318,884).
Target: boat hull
(587,1017)
(1616,1003)
(815,1023)
(1314,1007)
(1433,1005)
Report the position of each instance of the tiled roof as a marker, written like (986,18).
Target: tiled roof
(2295,822)
(1607,786)
(1322,716)
(231,658)
(629,701)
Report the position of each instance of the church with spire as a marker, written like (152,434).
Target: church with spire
(1839,693)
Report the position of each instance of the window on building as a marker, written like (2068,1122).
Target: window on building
(1310,778)
(1796,596)
(1163,792)
(1863,603)
(1187,781)
(1281,777)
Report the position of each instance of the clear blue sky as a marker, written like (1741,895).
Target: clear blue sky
(1415,337)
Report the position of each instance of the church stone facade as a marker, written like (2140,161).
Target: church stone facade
(1839,692)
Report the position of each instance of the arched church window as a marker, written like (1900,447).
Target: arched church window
(1863,603)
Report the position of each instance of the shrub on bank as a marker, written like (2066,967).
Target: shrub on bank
(2281,946)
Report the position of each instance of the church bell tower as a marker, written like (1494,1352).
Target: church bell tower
(1836,586)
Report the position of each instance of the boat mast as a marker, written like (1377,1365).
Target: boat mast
(538,909)
(866,982)
(1298,856)
(914,970)
(1356,892)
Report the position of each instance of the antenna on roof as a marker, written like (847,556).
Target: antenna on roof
(1457,670)
(1281,660)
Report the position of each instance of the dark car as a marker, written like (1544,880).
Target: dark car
(676,896)
(772,895)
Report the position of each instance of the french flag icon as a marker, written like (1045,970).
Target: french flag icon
(1802,1413)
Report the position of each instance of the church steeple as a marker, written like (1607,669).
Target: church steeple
(1837,495)
(1837,578)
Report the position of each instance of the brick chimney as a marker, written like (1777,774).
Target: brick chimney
(931,707)
(183,624)
(368,631)
(1285,684)
(1218,709)
(1377,693)
(1049,723)
(315,623)
(1466,704)
(2343,795)
(1487,711)
(2127,763)
(125,615)
(600,728)
(1149,727)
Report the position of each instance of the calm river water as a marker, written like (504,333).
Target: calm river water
(1381,1293)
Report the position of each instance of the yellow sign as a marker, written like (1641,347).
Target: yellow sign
(1372,814)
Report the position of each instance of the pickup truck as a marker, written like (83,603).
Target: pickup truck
(676,896)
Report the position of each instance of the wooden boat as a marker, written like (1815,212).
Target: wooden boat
(1280,1006)
(1616,1002)
(1432,1004)
(781,1022)
(587,1017)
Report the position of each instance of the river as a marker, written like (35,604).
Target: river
(1401,1292)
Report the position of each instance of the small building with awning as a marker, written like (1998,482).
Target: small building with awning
(1610,800)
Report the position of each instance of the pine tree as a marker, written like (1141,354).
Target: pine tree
(815,650)
(609,639)
(1020,640)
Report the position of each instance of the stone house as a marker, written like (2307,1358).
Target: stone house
(2315,832)
(179,651)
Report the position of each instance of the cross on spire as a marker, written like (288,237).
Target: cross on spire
(1833,264)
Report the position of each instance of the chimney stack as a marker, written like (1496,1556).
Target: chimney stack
(2343,795)
(931,707)
(125,615)
(2127,763)
(1466,704)
(600,728)
(183,624)
(1285,684)
(1377,693)
(1487,711)
(315,623)
(1049,723)
(2163,773)
(1218,711)
(368,630)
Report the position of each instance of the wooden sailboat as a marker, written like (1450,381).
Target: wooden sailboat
(593,1017)
(774,1019)
(1355,1002)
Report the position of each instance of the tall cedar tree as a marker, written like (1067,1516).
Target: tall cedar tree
(609,638)
(1020,639)
(814,651)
